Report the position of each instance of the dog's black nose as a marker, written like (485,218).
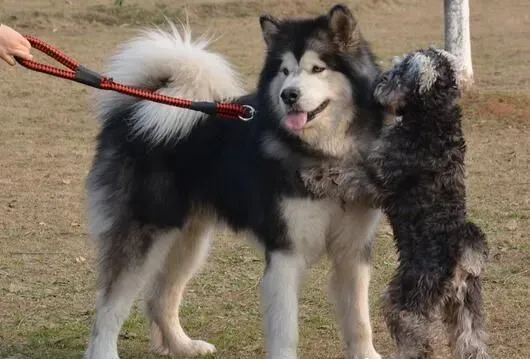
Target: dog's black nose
(290,95)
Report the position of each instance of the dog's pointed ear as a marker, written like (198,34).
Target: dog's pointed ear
(270,26)
(344,26)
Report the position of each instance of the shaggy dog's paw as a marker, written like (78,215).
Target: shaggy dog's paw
(319,181)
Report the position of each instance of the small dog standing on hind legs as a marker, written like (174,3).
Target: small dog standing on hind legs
(415,171)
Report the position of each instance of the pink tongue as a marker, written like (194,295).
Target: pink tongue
(296,121)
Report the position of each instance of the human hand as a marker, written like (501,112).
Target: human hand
(13,44)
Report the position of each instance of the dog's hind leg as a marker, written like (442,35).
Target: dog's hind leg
(164,293)
(464,317)
(349,248)
(126,258)
(464,308)
(409,306)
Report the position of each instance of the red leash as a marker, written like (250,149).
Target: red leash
(81,74)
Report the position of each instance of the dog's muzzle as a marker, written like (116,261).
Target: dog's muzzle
(311,115)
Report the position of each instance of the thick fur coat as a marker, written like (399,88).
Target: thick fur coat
(164,179)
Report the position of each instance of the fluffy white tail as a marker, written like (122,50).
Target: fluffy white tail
(172,64)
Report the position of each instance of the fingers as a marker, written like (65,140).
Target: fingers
(13,44)
(22,53)
(25,43)
(9,59)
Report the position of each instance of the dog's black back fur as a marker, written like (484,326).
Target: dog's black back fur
(218,164)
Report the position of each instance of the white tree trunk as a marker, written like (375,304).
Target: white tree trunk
(457,35)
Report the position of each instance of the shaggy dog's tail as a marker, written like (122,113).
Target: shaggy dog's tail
(475,249)
(172,64)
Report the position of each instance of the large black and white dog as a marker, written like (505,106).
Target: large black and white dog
(415,171)
(163,178)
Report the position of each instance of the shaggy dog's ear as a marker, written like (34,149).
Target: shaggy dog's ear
(270,26)
(344,27)
(457,66)
(422,71)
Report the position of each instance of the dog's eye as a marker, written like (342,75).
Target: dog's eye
(285,71)
(317,69)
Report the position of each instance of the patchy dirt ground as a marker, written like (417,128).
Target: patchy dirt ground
(47,139)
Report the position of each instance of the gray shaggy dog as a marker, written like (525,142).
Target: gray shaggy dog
(415,171)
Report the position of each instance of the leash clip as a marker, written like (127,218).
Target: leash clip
(251,112)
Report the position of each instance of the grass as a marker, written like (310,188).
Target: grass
(47,141)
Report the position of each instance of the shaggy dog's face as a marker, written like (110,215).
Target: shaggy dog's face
(425,77)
